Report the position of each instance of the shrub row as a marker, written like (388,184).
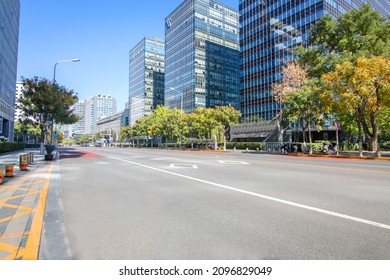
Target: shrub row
(245,145)
(11,146)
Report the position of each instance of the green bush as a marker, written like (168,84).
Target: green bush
(245,145)
(385,146)
(11,146)
(345,146)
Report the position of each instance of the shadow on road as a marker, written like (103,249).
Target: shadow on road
(72,153)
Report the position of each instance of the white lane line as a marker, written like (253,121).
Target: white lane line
(232,162)
(286,202)
(183,165)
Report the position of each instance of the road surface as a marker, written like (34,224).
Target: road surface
(123,203)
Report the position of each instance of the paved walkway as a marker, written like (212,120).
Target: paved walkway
(22,206)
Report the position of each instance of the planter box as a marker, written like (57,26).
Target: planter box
(49,157)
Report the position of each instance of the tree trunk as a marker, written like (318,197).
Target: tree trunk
(310,142)
(360,139)
(372,135)
(280,130)
(304,127)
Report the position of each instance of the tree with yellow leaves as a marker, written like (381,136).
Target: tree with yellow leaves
(363,88)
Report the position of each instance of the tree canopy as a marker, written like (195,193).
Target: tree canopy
(358,33)
(174,124)
(349,57)
(43,103)
(362,88)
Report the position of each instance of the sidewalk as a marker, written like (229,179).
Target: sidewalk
(22,206)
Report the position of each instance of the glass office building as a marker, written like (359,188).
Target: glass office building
(270,29)
(202,55)
(146,78)
(9,40)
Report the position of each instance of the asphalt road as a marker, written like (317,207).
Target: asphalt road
(158,204)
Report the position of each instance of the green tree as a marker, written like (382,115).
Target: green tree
(126,133)
(305,106)
(44,103)
(203,122)
(226,116)
(60,136)
(170,123)
(23,128)
(84,139)
(358,33)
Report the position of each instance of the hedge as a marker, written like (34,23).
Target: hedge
(11,146)
(245,145)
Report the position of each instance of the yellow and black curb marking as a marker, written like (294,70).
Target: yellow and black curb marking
(22,207)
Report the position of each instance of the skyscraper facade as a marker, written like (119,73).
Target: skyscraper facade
(96,108)
(146,77)
(270,29)
(78,128)
(18,96)
(9,40)
(202,55)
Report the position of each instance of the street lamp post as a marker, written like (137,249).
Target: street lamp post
(61,61)
(181,108)
(54,82)
(181,97)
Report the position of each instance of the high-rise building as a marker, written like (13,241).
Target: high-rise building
(18,96)
(96,108)
(9,40)
(78,128)
(146,77)
(270,29)
(202,55)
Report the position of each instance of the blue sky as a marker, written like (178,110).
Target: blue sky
(98,32)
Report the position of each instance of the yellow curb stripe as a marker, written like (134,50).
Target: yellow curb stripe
(34,238)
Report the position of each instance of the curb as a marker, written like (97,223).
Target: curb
(341,157)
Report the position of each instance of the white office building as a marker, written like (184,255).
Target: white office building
(98,107)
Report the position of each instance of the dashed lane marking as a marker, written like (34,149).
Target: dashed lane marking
(183,165)
(232,162)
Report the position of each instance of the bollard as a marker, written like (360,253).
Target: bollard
(9,170)
(1,176)
(23,163)
(32,157)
